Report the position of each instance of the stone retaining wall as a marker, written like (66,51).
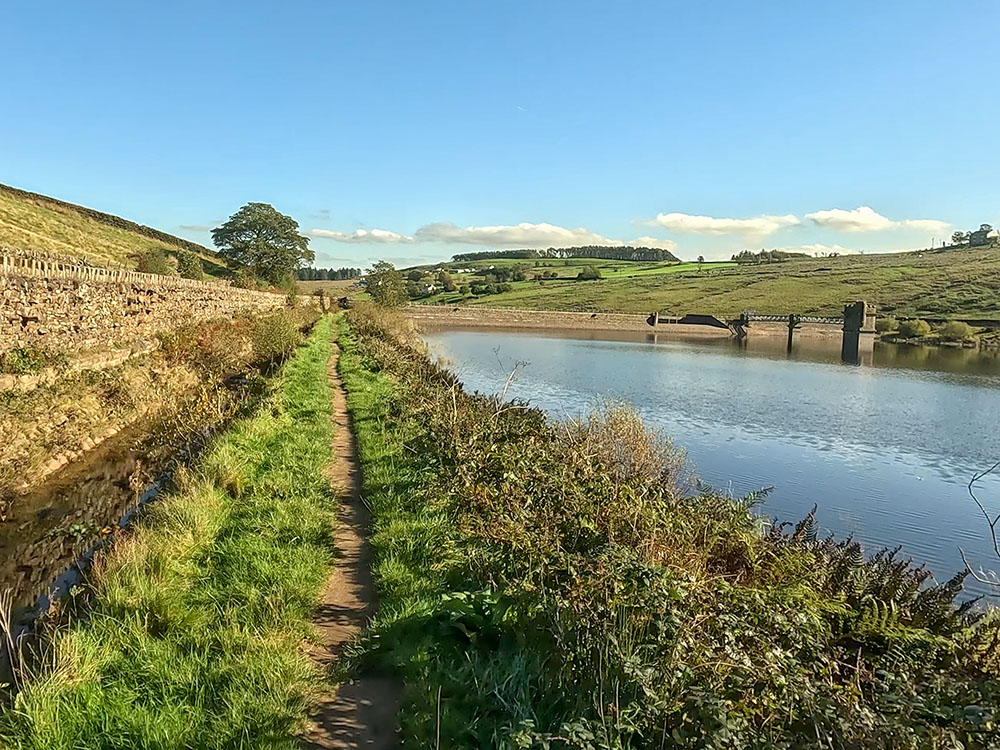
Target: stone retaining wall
(68,307)
(502,317)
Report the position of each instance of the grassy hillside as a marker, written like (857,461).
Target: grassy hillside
(957,283)
(33,222)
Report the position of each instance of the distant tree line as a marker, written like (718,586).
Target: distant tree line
(977,237)
(766,256)
(328,274)
(608,252)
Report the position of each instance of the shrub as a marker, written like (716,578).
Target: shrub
(189,265)
(915,328)
(956,330)
(27,360)
(886,325)
(590,273)
(244,279)
(615,435)
(154,261)
(275,336)
(543,583)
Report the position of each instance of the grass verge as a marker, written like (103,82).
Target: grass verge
(193,631)
(551,586)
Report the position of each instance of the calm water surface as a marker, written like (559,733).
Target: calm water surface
(885,449)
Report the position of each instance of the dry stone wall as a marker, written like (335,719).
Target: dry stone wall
(68,307)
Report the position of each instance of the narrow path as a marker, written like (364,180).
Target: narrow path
(360,713)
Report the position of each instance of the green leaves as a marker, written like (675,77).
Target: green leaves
(264,241)
(574,597)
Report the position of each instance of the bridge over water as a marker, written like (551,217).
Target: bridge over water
(857,324)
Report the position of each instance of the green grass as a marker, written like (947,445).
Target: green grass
(957,284)
(547,587)
(57,229)
(193,635)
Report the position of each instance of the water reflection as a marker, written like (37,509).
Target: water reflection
(884,449)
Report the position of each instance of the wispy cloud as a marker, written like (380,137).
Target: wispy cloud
(819,248)
(652,242)
(361,235)
(756,226)
(518,235)
(197,227)
(866,219)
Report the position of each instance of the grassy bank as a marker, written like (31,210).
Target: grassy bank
(191,636)
(37,223)
(961,283)
(549,586)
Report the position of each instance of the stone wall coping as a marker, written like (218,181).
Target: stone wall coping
(26,266)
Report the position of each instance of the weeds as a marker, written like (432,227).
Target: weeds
(30,360)
(552,586)
(193,633)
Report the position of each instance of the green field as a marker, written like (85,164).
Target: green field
(35,223)
(962,283)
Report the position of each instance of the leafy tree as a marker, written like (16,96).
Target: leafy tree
(154,261)
(915,328)
(956,330)
(701,258)
(415,275)
(385,285)
(189,265)
(590,273)
(886,325)
(445,280)
(986,228)
(264,241)
(957,238)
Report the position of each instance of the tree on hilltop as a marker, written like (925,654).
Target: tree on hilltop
(264,241)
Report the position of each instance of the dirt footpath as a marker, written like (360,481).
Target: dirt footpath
(360,713)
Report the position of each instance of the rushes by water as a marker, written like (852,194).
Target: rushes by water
(192,637)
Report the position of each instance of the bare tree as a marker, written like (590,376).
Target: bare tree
(989,578)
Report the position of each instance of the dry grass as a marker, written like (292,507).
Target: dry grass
(38,226)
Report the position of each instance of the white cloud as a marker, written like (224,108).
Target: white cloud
(819,248)
(866,219)
(652,242)
(361,235)
(757,226)
(197,227)
(520,235)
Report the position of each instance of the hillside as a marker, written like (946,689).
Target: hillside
(37,223)
(943,284)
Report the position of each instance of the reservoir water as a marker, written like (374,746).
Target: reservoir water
(885,450)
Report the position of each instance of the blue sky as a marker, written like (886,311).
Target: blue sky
(415,130)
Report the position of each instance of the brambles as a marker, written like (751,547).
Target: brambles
(557,587)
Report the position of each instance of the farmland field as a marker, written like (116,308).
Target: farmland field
(963,283)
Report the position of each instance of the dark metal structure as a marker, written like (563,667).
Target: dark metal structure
(857,323)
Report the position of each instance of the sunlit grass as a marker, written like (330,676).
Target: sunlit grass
(193,635)
(37,226)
